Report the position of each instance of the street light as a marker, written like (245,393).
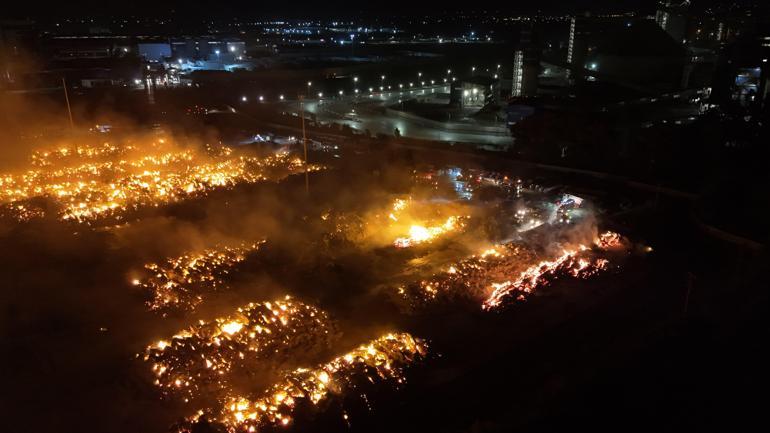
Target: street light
(371,89)
(355,79)
(320,95)
(432,82)
(309,83)
(280,97)
(244,99)
(419,74)
(400,86)
(340,92)
(448,71)
(261,98)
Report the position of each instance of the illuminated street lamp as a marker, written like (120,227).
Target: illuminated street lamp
(309,83)
(371,89)
(355,79)
(381,88)
(422,83)
(411,84)
(244,98)
(432,82)
(320,95)
(340,92)
(400,86)
(419,74)
(355,91)
(448,71)
(261,98)
(280,97)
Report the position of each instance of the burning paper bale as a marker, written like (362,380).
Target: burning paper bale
(383,360)
(202,361)
(94,182)
(180,282)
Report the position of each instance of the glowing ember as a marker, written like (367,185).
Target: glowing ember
(91,182)
(381,360)
(203,361)
(419,234)
(180,282)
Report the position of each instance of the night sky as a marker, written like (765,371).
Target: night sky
(328,8)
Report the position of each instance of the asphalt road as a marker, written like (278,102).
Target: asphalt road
(366,112)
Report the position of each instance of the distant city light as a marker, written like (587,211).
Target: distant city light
(261,98)
(280,97)
(355,79)
(320,94)
(309,83)
(244,99)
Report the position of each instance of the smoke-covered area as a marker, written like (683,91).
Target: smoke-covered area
(140,237)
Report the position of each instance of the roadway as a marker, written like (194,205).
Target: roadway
(367,112)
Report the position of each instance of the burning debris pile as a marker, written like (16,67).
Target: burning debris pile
(540,274)
(380,361)
(181,282)
(202,362)
(488,275)
(469,277)
(90,182)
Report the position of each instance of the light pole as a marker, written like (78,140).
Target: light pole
(304,141)
(67,99)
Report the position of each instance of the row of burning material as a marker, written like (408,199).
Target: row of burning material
(207,364)
(88,182)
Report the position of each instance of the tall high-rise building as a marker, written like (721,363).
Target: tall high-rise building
(671,16)
(526,65)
